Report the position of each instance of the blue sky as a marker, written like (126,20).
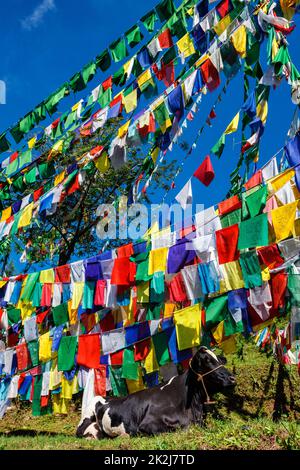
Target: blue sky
(44,42)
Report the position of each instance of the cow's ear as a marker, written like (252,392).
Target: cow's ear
(222,359)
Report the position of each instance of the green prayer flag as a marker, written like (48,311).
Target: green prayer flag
(142,261)
(19,184)
(37,391)
(12,167)
(157,287)
(88,72)
(218,148)
(232,218)
(118,384)
(134,36)
(33,347)
(26,123)
(130,368)
(31,281)
(154,311)
(160,342)
(118,50)
(55,98)
(40,112)
(230,58)
(88,295)
(46,170)
(251,269)
(256,201)
(37,295)
(103,61)
(253,232)
(4,144)
(71,118)
(77,83)
(25,158)
(165,9)
(13,315)
(252,49)
(161,114)
(30,176)
(120,77)
(16,133)
(149,20)
(105,98)
(215,311)
(295,75)
(66,353)
(282,58)
(294,287)
(60,314)
(231,327)
(177,25)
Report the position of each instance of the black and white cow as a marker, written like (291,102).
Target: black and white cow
(163,408)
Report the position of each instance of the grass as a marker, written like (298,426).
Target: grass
(263,414)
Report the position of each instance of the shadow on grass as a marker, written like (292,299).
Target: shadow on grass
(31,433)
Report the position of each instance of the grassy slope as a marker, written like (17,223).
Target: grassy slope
(243,421)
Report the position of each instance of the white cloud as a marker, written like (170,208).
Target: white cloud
(36,17)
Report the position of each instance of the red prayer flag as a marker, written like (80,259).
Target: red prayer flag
(116,358)
(205,173)
(227,242)
(63,274)
(141,349)
(37,194)
(100,381)
(270,256)
(23,358)
(255,180)
(107,83)
(229,205)
(223,8)
(176,289)
(99,298)
(165,39)
(89,351)
(210,75)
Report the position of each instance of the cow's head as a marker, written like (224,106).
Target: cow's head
(207,368)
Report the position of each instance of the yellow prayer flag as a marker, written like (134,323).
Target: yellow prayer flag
(26,216)
(232,127)
(31,142)
(157,260)
(283,219)
(265,274)
(150,363)
(55,375)
(73,316)
(153,229)
(278,181)
(59,178)
(143,292)
(66,388)
(57,147)
(123,129)
(274,48)
(135,385)
(76,106)
(102,163)
(262,111)
(47,276)
(145,79)
(222,25)
(130,101)
(2,283)
(239,40)
(218,332)
(45,344)
(288,8)
(154,154)
(169,310)
(188,326)
(232,275)
(186,46)
(6,213)
(77,294)
(60,405)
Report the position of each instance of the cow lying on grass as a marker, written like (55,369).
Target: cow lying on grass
(163,408)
